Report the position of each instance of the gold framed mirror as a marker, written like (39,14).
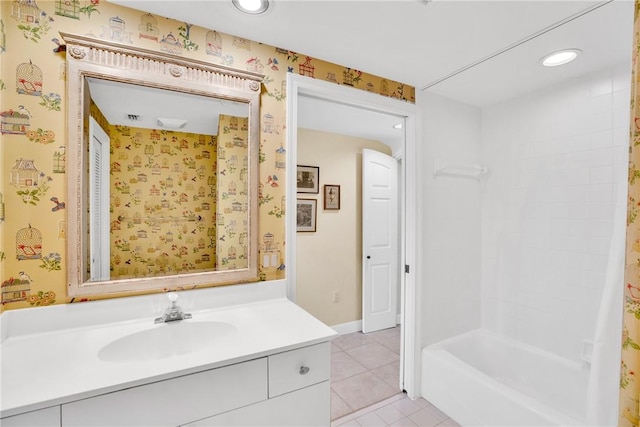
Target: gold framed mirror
(162,170)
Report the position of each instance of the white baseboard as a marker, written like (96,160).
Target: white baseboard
(349,327)
(355,326)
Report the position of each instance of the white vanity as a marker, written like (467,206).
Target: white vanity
(262,361)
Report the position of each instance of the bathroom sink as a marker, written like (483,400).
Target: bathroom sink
(166,340)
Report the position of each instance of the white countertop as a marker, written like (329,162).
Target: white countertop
(59,366)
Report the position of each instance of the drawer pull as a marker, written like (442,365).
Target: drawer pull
(304,370)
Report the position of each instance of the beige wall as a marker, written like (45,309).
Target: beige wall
(331,258)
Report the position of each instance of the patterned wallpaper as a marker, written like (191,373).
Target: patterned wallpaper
(232,189)
(163,202)
(630,363)
(32,123)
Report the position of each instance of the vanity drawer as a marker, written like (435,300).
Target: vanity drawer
(295,369)
(48,417)
(175,401)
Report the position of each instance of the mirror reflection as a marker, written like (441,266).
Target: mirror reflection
(168,182)
(162,170)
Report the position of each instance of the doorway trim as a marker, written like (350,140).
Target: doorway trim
(300,85)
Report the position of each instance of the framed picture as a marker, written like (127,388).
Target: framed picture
(332,197)
(308,178)
(306,215)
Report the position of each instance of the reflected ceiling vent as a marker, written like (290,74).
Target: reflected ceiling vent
(133,117)
(171,123)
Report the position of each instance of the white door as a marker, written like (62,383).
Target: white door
(99,225)
(379,241)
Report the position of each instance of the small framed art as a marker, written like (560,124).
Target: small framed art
(331,197)
(308,179)
(306,212)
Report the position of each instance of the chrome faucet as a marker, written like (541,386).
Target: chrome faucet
(173,312)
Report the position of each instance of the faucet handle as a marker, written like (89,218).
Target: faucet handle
(173,297)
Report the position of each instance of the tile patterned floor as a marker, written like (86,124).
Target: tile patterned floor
(365,385)
(364,370)
(397,411)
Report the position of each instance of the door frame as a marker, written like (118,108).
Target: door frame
(300,85)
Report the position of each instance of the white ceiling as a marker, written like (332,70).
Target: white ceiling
(419,42)
(119,101)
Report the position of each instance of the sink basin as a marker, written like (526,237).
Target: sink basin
(166,340)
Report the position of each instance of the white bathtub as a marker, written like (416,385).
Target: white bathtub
(482,379)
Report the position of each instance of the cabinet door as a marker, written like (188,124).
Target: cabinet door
(175,401)
(47,417)
(307,407)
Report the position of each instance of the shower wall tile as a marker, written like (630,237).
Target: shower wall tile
(601,139)
(548,206)
(451,292)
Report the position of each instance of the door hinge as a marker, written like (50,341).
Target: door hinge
(406,268)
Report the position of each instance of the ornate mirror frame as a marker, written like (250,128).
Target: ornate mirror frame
(90,57)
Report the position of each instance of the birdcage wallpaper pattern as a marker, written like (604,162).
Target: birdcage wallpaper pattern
(306,68)
(28,243)
(148,28)
(268,123)
(214,43)
(59,160)
(14,290)
(68,8)
(26,11)
(281,158)
(269,253)
(170,44)
(116,31)
(147,211)
(14,123)
(231,211)
(24,174)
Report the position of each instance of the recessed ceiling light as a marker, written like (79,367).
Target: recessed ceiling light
(253,7)
(560,57)
(397,126)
